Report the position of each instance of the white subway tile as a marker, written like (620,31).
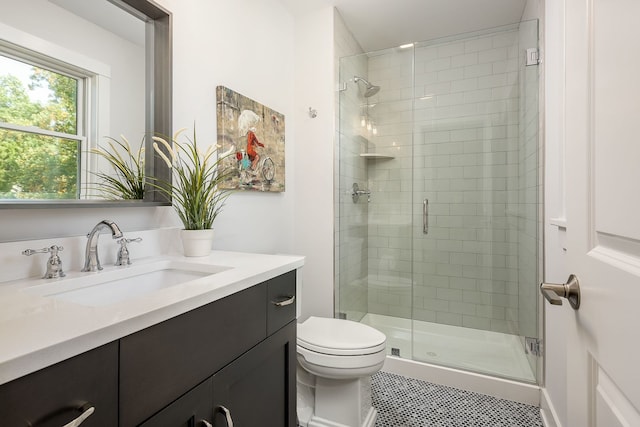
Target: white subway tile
(505,66)
(449,318)
(493,55)
(427,53)
(478,96)
(451,49)
(463,259)
(493,80)
(477,70)
(448,246)
(450,148)
(426,78)
(475,45)
(424,315)
(437,304)
(464,60)
(452,99)
(462,308)
(432,89)
(505,39)
(476,322)
(452,74)
(438,64)
(449,294)
(464,85)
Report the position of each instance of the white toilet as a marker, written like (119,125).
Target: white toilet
(336,359)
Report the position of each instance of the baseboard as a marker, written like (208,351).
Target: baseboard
(547,411)
(504,389)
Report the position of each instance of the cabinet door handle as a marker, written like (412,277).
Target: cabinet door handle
(227,415)
(289,299)
(87,411)
(206,423)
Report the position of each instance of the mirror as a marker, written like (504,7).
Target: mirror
(119,51)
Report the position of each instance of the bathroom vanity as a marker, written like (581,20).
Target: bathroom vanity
(197,354)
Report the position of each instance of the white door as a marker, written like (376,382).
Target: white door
(602,170)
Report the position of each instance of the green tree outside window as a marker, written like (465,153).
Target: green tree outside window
(31,165)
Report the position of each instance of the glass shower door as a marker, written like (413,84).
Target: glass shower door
(476,202)
(438,199)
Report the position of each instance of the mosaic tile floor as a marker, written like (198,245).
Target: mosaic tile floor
(405,402)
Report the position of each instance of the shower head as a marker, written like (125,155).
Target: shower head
(370,89)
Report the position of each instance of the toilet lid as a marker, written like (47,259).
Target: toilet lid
(339,337)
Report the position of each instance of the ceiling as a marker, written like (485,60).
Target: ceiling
(379,24)
(108,16)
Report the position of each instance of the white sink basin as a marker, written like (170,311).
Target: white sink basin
(123,283)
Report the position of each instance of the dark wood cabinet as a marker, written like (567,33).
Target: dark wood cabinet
(259,388)
(55,396)
(161,363)
(194,409)
(237,353)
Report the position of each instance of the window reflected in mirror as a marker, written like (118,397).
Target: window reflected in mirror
(40,140)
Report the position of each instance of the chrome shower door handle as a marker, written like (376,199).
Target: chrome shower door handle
(425,216)
(553,292)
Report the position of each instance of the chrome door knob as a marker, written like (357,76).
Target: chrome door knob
(553,292)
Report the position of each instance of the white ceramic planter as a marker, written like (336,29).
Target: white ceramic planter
(197,242)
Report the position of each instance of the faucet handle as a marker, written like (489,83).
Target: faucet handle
(54,263)
(123,252)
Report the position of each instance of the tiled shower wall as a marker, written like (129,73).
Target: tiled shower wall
(470,149)
(351,230)
(390,182)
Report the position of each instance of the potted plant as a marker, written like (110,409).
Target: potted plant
(129,180)
(194,189)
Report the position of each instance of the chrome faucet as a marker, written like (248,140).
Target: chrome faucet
(91,260)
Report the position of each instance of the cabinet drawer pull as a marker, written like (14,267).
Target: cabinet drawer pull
(227,415)
(289,299)
(87,411)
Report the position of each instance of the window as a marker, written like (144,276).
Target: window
(42,132)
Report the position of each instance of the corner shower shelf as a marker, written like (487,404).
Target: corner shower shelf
(375,156)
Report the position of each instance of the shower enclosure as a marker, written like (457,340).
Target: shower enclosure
(439,199)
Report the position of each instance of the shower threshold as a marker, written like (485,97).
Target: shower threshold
(475,350)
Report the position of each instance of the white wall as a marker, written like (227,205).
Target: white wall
(555,385)
(313,165)
(246,45)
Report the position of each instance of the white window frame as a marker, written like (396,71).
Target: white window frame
(93,93)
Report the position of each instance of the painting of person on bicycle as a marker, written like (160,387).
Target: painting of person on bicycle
(257,138)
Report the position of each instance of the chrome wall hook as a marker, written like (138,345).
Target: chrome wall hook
(313,113)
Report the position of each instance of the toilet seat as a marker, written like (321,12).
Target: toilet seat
(337,348)
(339,337)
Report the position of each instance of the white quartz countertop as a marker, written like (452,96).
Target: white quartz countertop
(38,331)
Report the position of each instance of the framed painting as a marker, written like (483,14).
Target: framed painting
(254,134)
